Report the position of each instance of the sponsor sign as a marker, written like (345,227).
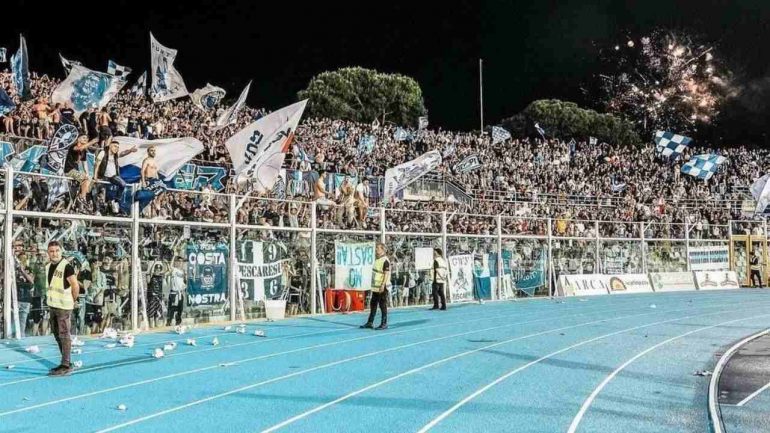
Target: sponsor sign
(672,281)
(630,283)
(717,280)
(711,258)
(584,285)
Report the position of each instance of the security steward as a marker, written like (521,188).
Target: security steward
(440,279)
(380,283)
(62,294)
(756,270)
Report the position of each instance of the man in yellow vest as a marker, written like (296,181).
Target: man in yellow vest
(62,294)
(440,279)
(380,283)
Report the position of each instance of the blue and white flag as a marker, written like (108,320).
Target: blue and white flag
(703,166)
(303,156)
(540,130)
(499,135)
(669,144)
(6,103)
(230,116)
(207,97)
(58,147)
(3,55)
(401,176)
(167,82)
(618,187)
(366,144)
(20,70)
(117,70)
(140,87)
(467,165)
(401,134)
(171,155)
(760,190)
(67,64)
(86,88)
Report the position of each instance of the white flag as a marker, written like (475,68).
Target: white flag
(3,54)
(422,122)
(167,82)
(230,115)
(207,97)
(760,190)
(258,150)
(118,70)
(85,88)
(399,177)
(171,155)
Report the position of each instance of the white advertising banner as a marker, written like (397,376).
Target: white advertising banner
(630,283)
(710,258)
(672,281)
(718,280)
(423,259)
(353,264)
(584,285)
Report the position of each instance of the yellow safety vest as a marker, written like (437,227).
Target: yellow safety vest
(58,296)
(379,274)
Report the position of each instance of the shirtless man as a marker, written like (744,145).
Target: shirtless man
(41,110)
(346,212)
(362,200)
(150,178)
(103,120)
(320,194)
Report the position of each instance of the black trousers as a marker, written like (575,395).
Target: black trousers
(175,306)
(438,292)
(60,328)
(756,273)
(380,299)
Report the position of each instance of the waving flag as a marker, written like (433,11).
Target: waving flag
(171,155)
(499,135)
(140,87)
(669,144)
(366,144)
(401,134)
(20,70)
(117,70)
(401,176)
(540,130)
(467,165)
(703,166)
(3,54)
(167,82)
(422,122)
(230,115)
(86,88)
(67,64)
(6,103)
(207,97)
(258,150)
(760,190)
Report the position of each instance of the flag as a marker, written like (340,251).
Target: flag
(703,166)
(167,82)
(399,177)
(20,70)
(67,64)
(207,97)
(6,103)
(303,156)
(171,155)
(422,122)
(540,130)
(117,70)
(366,144)
(760,190)
(230,115)
(669,144)
(499,135)
(258,150)
(449,151)
(467,165)
(593,141)
(376,124)
(140,87)
(86,88)
(3,55)
(58,146)
(618,187)
(401,134)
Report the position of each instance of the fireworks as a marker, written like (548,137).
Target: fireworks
(663,81)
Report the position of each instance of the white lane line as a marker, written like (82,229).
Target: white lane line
(753,395)
(587,403)
(271,355)
(482,390)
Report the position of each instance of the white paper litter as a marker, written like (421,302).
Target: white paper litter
(259,333)
(76,342)
(77,364)
(191,342)
(121,407)
(180,329)
(10,367)
(653,306)
(169,346)
(110,333)
(158,353)
(33,349)
(228,328)
(110,346)
(77,351)
(215,342)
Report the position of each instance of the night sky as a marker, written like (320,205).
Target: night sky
(531,49)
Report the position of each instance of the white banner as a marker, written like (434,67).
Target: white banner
(353,264)
(672,281)
(584,285)
(167,82)
(399,177)
(230,116)
(461,278)
(712,258)
(423,259)
(630,283)
(259,270)
(85,88)
(258,150)
(717,280)
(207,97)
(171,154)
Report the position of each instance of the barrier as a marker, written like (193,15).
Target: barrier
(720,280)
(584,285)
(630,283)
(672,281)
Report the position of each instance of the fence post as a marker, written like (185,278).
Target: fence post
(597,249)
(7,248)
(382,225)
(644,248)
(551,281)
(135,263)
(500,278)
(687,243)
(233,262)
(313,259)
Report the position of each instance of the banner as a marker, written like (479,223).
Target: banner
(528,274)
(713,258)
(207,274)
(192,177)
(167,82)
(422,122)
(672,281)
(207,97)
(353,265)
(260,269)
(401,176)
(584,285)
(6,103)
(85,88)
(171,155)
(20,70)
(3,54)
(461,278)
(423,259)
(467,165)
(230,116)
(67,64)
(258,150)
(630,283)
(58,146)
(716,280)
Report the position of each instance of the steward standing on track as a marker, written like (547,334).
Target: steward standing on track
(62,294)
(380,283)
(756,269)
(440,276)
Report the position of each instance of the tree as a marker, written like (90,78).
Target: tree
(566,120)
(363,95)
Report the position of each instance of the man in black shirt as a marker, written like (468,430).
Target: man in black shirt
(75,166)
(67,114)
(24,287)
(62,294)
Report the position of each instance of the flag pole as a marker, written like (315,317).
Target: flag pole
(481,95)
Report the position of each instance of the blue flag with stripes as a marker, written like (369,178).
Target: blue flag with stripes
(669,144)
(703,166)
(20,70)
